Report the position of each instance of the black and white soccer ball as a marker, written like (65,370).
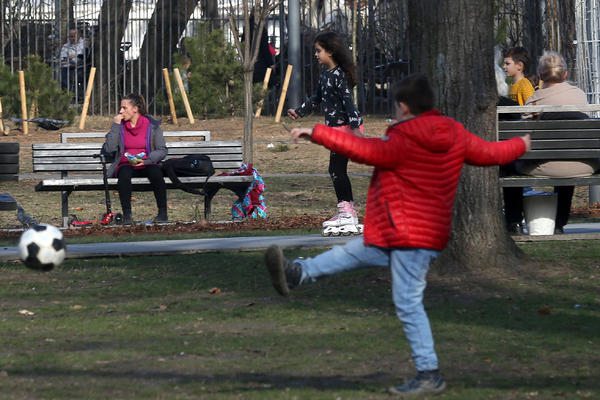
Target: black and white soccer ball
(42,247)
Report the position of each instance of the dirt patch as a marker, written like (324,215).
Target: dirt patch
(263,225)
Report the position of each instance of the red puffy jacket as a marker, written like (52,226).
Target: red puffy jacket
(417,167)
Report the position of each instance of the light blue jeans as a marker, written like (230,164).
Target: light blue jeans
(409,270)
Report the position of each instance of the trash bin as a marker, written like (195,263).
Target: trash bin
(540,212)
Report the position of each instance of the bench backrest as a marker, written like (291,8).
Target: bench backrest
(556,139)
(9,161)
(196,135)
(79,157)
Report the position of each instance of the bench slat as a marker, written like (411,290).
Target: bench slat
(171,152)
(98,145)
(591,144)
(65,136)
(557,124)
(90,184)
(523,180)
(578,134)
(98,167)
(93,161)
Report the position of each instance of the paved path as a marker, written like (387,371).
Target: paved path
(161,247)
(187,246)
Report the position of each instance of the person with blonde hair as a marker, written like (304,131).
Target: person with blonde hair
(556,90)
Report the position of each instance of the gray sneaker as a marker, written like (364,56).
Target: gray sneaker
(285,275)
(426,382)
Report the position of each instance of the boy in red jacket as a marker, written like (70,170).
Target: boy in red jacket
(409,210)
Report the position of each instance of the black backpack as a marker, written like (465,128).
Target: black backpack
(190,165)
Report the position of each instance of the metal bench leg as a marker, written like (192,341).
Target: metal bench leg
(210,193)
(207,201)
(65,207)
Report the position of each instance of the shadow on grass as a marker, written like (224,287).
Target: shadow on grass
(252,381)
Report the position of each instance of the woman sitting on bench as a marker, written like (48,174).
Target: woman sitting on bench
(552,70)
(133,133)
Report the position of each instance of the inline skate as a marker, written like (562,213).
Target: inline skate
(344,223)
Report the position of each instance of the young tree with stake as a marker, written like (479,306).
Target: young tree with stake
(248,52)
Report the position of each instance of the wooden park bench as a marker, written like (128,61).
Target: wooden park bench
(9,172)
(195,135)
(73,158)
(553,140)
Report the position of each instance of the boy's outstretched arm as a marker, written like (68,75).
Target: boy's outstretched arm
(378,152)
(301,133)
(481,152)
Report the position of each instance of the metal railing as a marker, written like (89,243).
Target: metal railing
(130,41)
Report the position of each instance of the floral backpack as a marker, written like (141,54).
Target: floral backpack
(251,202)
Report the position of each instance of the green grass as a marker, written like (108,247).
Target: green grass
(149,327)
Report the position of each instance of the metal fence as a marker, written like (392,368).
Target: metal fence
(587,17)
(130,41)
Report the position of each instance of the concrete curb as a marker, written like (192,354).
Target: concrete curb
(189,246)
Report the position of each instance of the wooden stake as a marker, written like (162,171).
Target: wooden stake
(88,95)
(23,102)
(186,103)
(1,122)
(265,85)
(286,82)
(170,95)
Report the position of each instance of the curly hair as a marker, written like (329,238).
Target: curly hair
(334,43)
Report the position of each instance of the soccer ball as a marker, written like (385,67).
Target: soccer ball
(42,247)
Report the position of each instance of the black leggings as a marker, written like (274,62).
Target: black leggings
(154,174)
(338,170)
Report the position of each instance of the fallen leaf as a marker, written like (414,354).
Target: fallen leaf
(487,360)
(133,198)
(76,307)
(162,307)
(78,208)
(544,310)
(26,312)
(214,290)
(170,207)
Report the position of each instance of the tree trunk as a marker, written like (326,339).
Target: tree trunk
(568,34)
(210,11)
(107,55)
(165,28)
(64,16)
(248,118)
(457,55)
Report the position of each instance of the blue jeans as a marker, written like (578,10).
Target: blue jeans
(409,270)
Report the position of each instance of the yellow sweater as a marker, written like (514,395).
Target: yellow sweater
(521,91)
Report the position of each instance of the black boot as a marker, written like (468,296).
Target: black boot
(126,218)
(162,216)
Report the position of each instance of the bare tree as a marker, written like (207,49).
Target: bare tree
(211,12)
(107,52)
(248,52)
(457,55)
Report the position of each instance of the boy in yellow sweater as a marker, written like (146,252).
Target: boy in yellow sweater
(516,66)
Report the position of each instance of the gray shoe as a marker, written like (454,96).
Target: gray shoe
(426,382)
(285,275)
